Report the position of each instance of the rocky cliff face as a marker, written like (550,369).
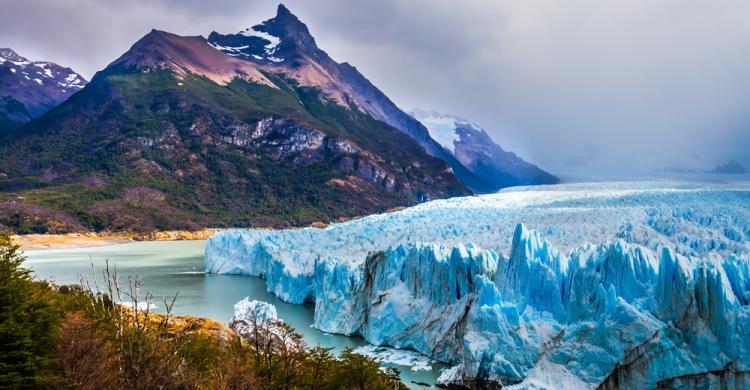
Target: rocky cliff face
(28,89)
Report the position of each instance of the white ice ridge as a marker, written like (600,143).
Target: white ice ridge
(653,277)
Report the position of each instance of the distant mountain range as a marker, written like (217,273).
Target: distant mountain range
(29,89)
(258,128)
(476,150)
(730,167)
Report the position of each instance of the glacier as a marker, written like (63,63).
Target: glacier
(611,285)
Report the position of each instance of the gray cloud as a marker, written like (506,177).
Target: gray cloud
(642,82)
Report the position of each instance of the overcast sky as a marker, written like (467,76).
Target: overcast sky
(630,83)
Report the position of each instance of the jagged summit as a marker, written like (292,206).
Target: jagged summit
(282,40)
(283,11)
(289,28)
(286,18)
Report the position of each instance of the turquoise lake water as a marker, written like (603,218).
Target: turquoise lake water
(175,267)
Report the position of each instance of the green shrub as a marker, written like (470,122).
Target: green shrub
(28,322)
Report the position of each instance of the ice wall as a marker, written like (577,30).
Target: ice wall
(666,291)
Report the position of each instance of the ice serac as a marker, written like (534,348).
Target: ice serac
(411,296)
(635,285)
(254,311)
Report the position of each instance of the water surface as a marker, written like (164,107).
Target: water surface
(175,267)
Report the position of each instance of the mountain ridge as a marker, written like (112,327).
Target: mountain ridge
(478,152)
(161,139)
(297,55)
(258,128)
(28,89)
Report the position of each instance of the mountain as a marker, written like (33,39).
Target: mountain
(284,45)
(29,89)
(175,134)
(476,150)
(730,167)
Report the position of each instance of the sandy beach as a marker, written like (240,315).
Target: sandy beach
(83,240)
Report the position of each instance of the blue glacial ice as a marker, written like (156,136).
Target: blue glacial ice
(579,285)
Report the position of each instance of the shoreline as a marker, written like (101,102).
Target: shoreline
(83,240)
(90,239)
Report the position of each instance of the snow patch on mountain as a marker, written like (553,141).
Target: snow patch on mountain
(270,48)
(443,128)
(39,71)
(36,86)
(478,152)
(273,41)
(44,70)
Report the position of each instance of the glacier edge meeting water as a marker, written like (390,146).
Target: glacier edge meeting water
(639,284)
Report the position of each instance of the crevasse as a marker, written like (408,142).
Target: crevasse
(648,306)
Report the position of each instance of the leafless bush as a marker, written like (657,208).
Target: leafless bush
(148,356)
(84,358)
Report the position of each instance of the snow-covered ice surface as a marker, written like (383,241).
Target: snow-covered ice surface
(143,306)
(576,284)
(253,319)
(387,355)
(254,311)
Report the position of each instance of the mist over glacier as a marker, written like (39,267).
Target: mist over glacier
(531,284)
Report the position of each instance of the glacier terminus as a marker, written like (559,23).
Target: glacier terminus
(609,285)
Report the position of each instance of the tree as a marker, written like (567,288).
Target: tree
(28,321)
(321,367)
(357,371)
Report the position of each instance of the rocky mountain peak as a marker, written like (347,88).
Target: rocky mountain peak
(28,89)
(281,40)
(283,11)
(8,54)
(287,25)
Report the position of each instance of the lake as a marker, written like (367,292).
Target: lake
(176,267)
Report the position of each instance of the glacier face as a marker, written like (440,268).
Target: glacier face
(637,283)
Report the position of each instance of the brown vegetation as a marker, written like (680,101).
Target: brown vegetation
(81,337)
